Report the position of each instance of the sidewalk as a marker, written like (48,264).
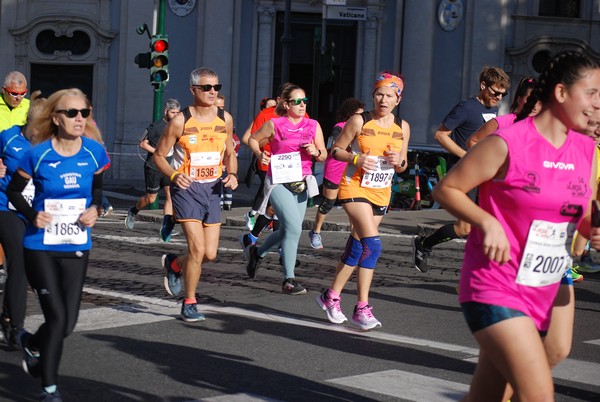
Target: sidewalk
(395,222)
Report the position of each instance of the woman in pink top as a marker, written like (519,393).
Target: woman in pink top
(333,170)
(536,179)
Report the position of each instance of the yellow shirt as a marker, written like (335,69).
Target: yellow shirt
(13,117)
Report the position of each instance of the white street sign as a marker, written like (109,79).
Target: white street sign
(346,13)
(335,2)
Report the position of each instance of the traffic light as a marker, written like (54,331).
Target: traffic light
(159,59)
(143,60)
(327,63)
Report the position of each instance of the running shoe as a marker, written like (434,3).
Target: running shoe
(31,358)
(130,219)
(189,313)
(107,211)
(316,241)
(254,261)
(246,242)
(363,318)
(227,207)
(250,220)
(586,265)
(291,287)
(9,332)
(172,280)
(576,276)
(51,397)
(167,228)
(3,275)
(420,254)
(332,308)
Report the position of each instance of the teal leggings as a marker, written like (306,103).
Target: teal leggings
(290,209)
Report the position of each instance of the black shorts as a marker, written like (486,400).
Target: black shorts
(378,210)
(155,180)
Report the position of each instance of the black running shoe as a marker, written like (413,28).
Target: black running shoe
(254,261)
(9,332)
(420,254)
(31,358)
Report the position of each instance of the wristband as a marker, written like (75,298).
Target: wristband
(319,154)
(175,173)
(355,159)
(232,174)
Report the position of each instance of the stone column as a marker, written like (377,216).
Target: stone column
(264,53)
(370,47)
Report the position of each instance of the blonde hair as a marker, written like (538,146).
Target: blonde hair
(44,124)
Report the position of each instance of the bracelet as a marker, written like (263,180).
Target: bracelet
(355,159)
(319,154)
(175,173)
(232,174)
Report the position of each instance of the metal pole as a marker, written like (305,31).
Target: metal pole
(159,88)
(286,41)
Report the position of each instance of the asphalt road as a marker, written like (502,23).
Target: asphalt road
(260,345)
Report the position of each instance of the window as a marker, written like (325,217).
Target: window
(78,43)
(560,8)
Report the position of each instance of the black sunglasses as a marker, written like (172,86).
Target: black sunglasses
(72,113)
(497,93)
(207,87)
(298,101)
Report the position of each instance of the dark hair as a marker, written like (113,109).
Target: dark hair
(494,75)
(566,68)
(285,97)
(347,108)
(525,85)
(263,102)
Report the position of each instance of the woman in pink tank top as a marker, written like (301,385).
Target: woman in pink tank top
(536,179)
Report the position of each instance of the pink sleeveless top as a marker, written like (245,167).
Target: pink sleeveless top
(288,137)
(542,183)
(334,169)
(506,120)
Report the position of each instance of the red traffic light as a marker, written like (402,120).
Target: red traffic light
(160,45)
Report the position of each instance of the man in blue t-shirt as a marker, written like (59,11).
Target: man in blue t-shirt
(456,128)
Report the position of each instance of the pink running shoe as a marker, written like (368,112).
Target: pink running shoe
(364,319)
(332,308)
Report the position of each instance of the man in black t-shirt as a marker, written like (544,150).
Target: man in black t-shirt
(155,180)
(456,128)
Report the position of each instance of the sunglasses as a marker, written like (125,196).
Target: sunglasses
(14,94)
(497,94)
(72,113)
(298,101)
(208,87)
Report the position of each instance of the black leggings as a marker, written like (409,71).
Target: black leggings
(57,278)
(12,229)
(258,198)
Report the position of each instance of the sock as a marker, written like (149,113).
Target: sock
(134,210)
(442,235)
(360,305)
(252,212)
(261,222)
(253,238)
(175,266)
(332,295)
(50,389)
(189,301)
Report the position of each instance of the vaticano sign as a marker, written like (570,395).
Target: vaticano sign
(346,13)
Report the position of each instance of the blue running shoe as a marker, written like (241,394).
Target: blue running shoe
(172,281)
(51,397)
(167,228)
(189,313)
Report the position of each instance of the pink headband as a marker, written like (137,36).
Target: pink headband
(390,80)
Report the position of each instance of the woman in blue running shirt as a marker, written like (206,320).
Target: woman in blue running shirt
(66,169)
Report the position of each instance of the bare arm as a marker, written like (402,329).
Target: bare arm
(170,135)
(488,128)
(263,135)
(483,163)
(349,133)
(145,145)
(442,136)
(229,158)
